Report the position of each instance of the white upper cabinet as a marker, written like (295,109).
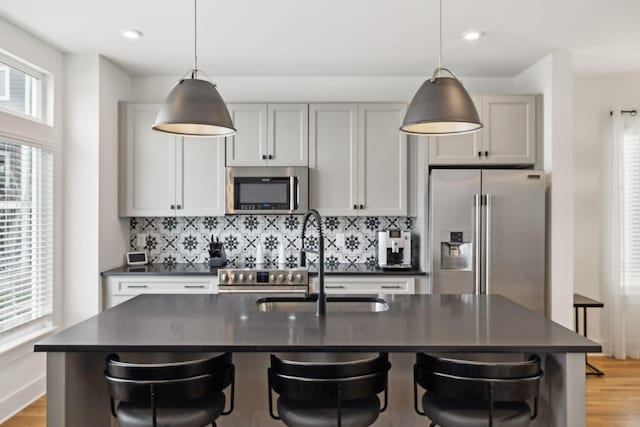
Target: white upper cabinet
(382,170)
(333,158)
(201,189)
(248,147)
(269,135)
(288,141)
(149,164)
(168,175)
(358,159)
(462,149)
(508,136)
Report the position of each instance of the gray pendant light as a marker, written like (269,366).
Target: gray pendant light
(441,106)
(194,107)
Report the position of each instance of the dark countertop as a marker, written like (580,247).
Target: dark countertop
(204,269)
(434,323)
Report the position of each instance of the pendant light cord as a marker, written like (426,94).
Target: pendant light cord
(195,39)
(440,41)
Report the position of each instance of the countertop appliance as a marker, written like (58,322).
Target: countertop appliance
(487,233)
(267,190)
(394,250)
(256,280)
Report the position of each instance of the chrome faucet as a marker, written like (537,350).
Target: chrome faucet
(321,308)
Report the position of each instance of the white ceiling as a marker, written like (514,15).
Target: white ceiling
(338,37)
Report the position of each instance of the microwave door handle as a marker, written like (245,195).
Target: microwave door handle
(293,204)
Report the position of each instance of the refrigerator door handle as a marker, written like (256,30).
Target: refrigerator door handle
(476,243)
(487,242)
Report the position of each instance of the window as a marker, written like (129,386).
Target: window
(21,88)
(26,233)
(630,204)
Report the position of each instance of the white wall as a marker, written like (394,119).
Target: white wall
(93,233)
(114,86)
(22,372)
(553,77)
(594,97)
(81,188)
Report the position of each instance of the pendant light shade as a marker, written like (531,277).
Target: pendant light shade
(194,107)
(441,106)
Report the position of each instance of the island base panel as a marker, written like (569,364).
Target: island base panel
(77,392)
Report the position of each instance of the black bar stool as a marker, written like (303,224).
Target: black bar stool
(343,394)
(463,393)
(177,394)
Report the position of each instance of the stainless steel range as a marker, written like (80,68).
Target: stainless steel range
(255,280)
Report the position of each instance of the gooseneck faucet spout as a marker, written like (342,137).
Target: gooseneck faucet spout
(321,308)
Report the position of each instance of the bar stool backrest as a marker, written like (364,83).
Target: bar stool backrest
(170,382)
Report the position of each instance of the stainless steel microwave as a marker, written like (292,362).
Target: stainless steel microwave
(267,190)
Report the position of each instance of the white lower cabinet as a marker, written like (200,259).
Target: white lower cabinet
(118,289)
(369,285)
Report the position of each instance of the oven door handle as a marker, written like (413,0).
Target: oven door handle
(262,291)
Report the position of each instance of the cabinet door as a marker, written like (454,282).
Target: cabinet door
(288,139)
(200,185)
(382,167)
(462,149)
(510,135)
(387,285)
(248,147)
(333,158)
(150,164)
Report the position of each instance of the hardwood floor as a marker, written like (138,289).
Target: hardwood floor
(612,400)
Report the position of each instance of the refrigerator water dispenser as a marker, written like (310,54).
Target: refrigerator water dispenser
(456,254)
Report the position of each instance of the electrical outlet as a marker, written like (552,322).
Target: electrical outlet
(340,240)
(141,240)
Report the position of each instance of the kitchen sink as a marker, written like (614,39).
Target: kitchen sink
(334,304)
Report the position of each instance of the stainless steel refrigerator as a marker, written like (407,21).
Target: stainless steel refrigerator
(487,233)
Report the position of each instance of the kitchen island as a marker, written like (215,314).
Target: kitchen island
(152,324)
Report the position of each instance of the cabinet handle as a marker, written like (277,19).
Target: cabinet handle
(137,286)
(486,153)
(479,153)
(391,287)
(335,286)
(355,206)
(194,286)
(178,207)
(264,157)
(270,157)
(172,207)
(361,206)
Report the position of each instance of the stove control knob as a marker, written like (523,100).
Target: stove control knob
(233,277)
(298,277)
(280,277)
(250,277)
(241,277)
(272,277)
(224,277)
(289,277)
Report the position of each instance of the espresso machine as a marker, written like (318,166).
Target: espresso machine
(394,250)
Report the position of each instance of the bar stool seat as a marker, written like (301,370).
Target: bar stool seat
(355,413)
(196,413)
(453,412)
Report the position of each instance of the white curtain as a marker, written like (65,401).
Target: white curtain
(621,236)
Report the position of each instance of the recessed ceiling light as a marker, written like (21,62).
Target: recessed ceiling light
(132,34)
(472,35)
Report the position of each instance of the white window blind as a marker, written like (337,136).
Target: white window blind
(26,233)
(630,204)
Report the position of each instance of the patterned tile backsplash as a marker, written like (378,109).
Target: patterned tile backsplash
(173,240)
